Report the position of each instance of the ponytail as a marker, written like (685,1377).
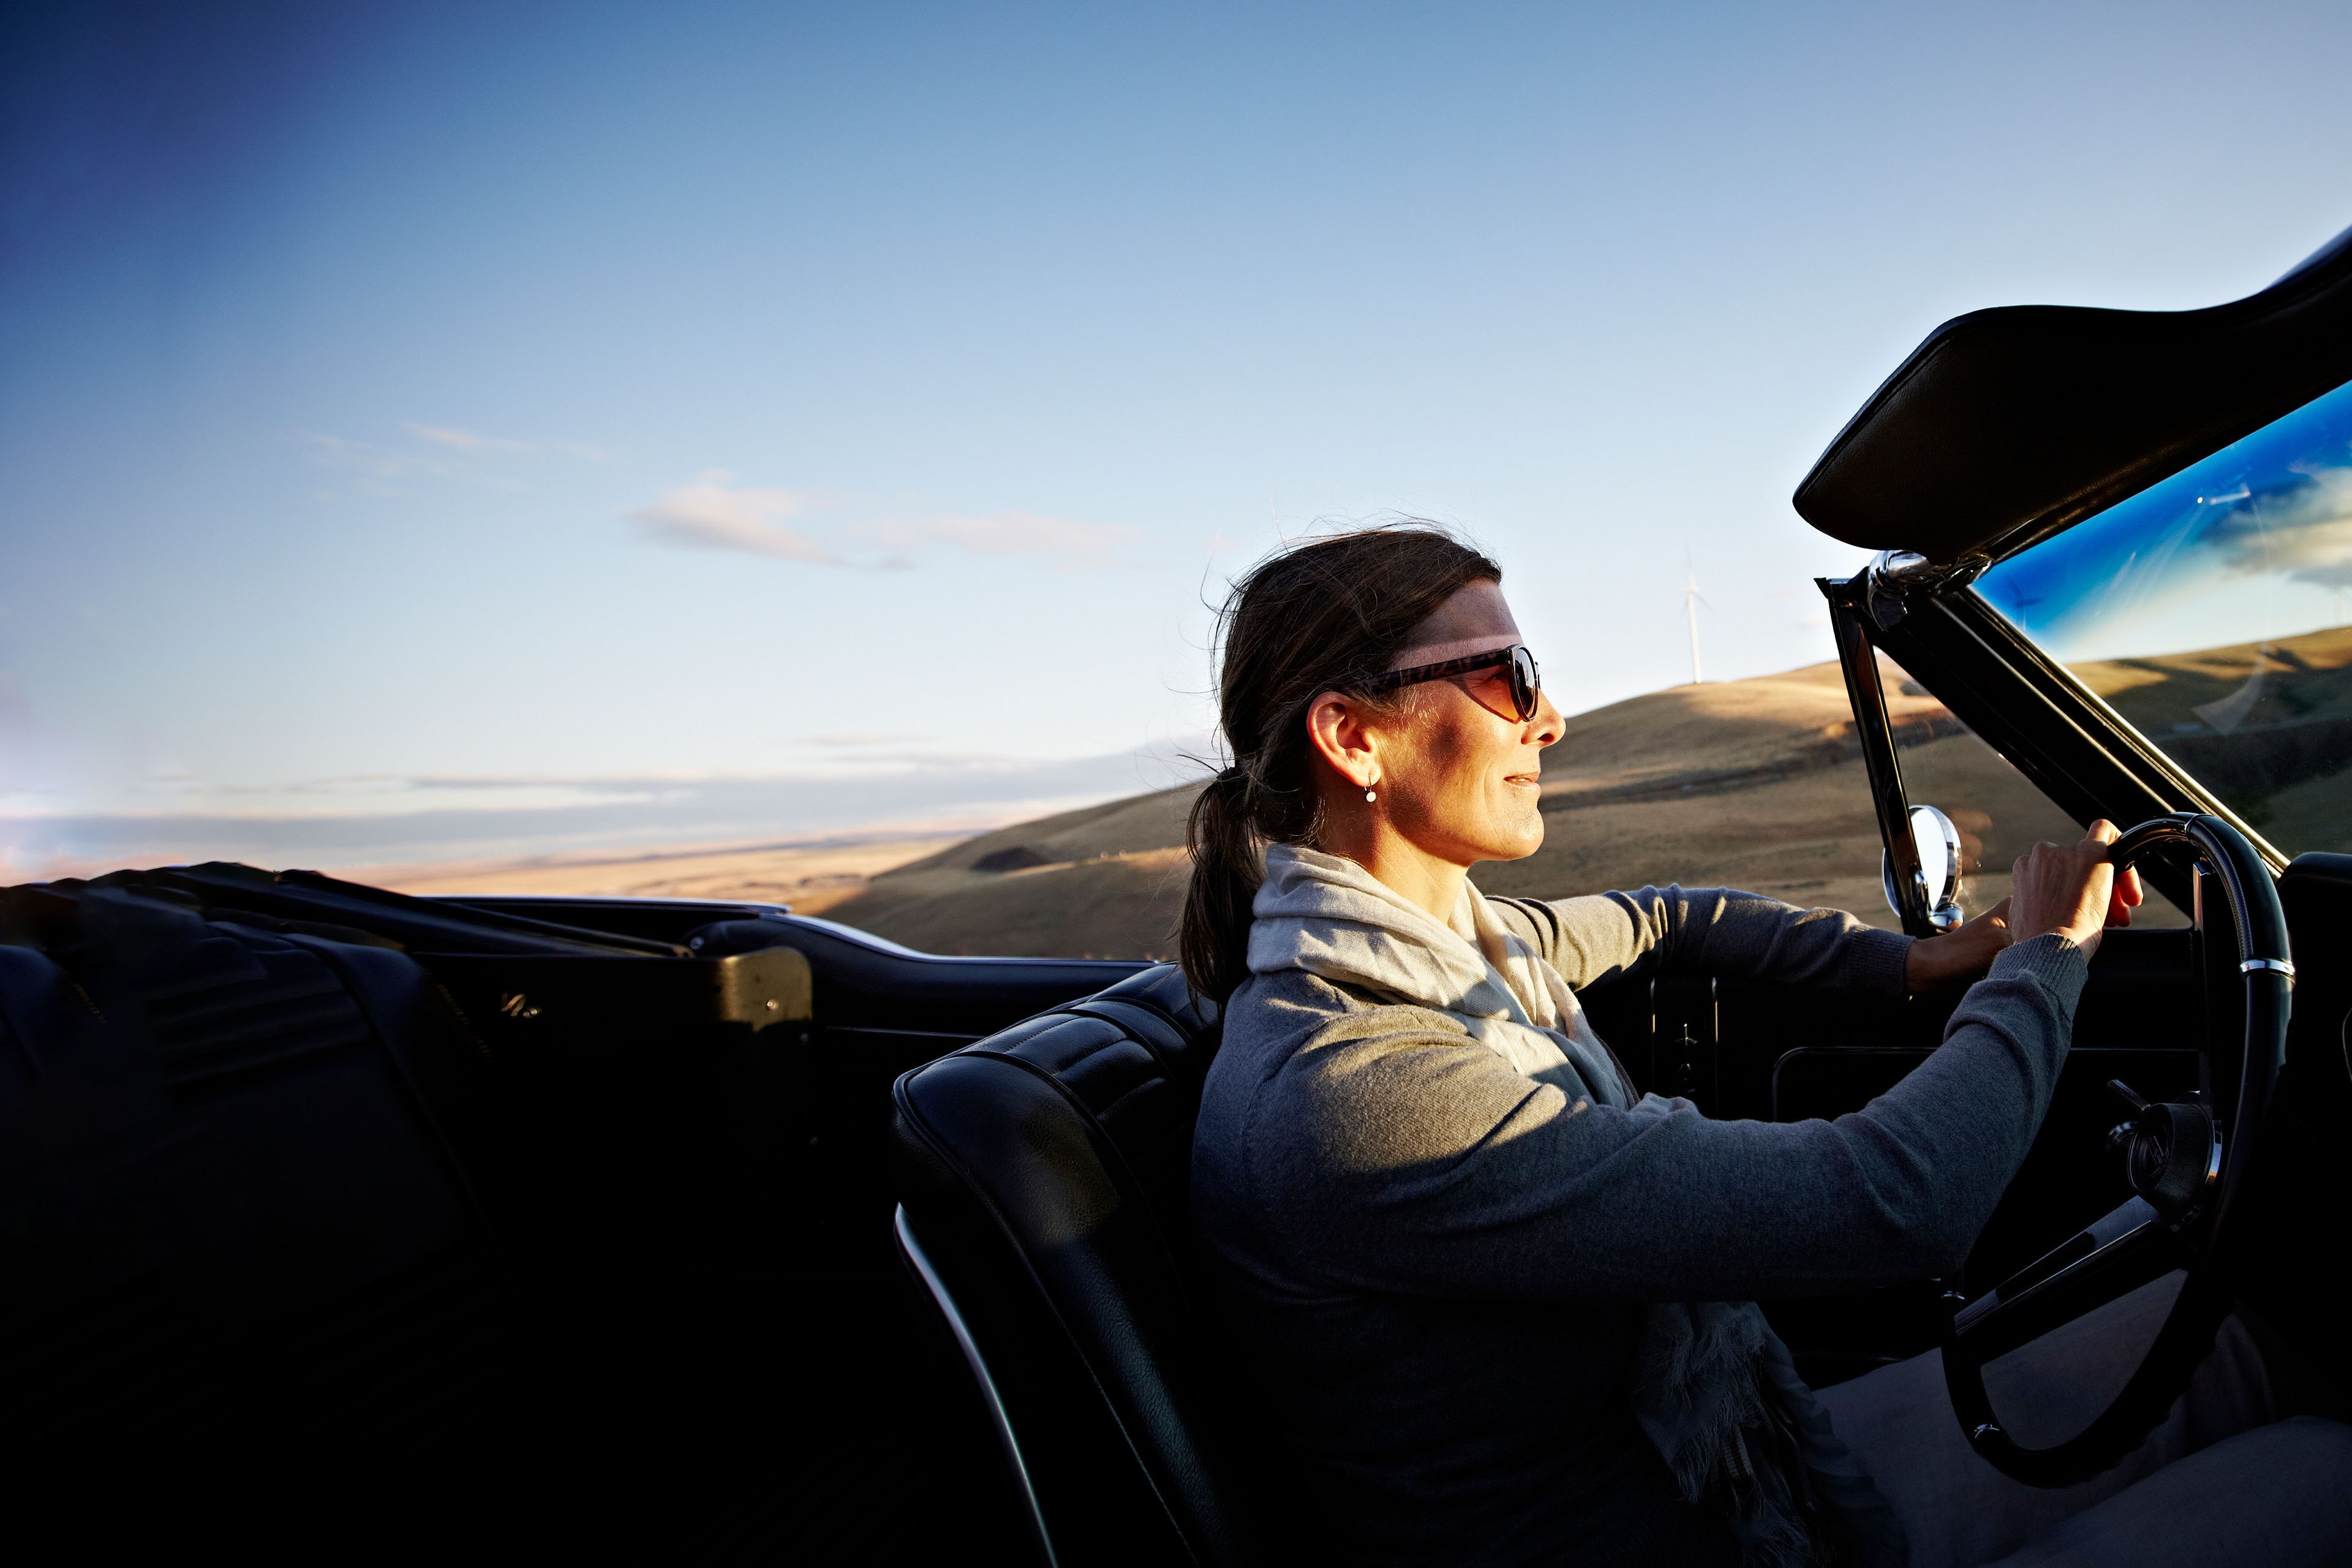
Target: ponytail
(1226,870)
(1326,615)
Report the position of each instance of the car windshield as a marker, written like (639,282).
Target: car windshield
(2211,610)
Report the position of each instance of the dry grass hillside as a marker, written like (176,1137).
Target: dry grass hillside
(1754,784)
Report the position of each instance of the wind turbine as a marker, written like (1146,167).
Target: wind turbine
(1692,600)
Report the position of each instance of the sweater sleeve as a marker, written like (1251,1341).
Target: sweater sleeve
(1393,1153)
(1713,931)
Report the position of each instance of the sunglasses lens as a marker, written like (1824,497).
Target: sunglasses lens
(1526,681)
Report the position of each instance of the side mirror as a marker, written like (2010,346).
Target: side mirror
(1939,868)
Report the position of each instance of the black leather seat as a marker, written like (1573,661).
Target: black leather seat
(1042,1175)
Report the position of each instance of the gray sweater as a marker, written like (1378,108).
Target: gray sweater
(1439,1265)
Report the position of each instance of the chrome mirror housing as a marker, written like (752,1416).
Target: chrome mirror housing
(1939,868)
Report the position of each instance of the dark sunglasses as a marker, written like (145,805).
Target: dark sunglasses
(1526,681)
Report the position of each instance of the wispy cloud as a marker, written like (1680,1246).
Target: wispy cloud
(1064,543)
(466,440)
(711,514)
(437,452)
(379,462)
(716,513)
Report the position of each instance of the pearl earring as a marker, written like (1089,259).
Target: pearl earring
(1369,795)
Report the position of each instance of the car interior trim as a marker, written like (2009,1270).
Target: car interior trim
(920,1261)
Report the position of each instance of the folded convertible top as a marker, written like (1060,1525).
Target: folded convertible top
(2008,425)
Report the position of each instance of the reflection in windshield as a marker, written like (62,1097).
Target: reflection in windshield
(2211,610)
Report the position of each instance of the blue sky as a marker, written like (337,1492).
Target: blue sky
(444,428)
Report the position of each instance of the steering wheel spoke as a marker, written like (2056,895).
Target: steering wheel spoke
(2116,1253)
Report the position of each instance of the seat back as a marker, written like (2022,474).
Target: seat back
(1043,1177)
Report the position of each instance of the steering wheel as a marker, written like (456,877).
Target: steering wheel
(2191,1181)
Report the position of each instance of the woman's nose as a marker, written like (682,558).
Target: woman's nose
(1549,726)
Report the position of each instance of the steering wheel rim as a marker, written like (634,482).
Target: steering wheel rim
(2137,1243)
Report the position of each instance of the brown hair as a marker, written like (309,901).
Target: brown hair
(1324,614)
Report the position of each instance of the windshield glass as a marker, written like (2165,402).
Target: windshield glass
(2211,610)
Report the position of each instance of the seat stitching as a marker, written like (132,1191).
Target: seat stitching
(1067,1093)
(974,1048)
(1183,1029)
(1150,1049)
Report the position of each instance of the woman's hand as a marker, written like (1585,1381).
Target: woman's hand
(2072,890)
(2063,889)
(1958,957)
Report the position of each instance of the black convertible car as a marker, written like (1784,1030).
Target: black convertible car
(342,1224)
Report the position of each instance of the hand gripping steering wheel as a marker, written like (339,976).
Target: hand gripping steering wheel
(2190,1181)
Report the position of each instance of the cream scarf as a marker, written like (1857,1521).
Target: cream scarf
(1331,918)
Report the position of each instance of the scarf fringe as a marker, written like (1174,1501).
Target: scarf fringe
(1717,1393)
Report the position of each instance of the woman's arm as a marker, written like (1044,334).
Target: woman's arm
(1391,1154)
(1713,931)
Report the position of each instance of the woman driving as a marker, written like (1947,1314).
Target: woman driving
(1497,1300)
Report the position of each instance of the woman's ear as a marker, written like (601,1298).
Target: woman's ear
(1337,730)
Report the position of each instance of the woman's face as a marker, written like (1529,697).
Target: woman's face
(1460,773)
